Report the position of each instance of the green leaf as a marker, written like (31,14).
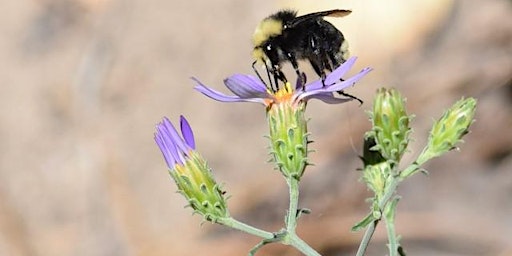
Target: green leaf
(364,223)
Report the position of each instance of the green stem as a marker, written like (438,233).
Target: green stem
(393,243)
(232,223)
(390,191)
(412,169)
(389,217)
(302,246)
(291,216)
(291,221)
(366,238)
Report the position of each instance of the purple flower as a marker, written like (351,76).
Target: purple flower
(247,88)
(190,171)
(175,148)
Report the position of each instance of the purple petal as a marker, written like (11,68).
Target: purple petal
(187,133)
(173,139)
(334,77)
(246,86)
(169,159)
(329,98)
(338,73)
(313,86)
(213,94)
(339,86)
(167,145)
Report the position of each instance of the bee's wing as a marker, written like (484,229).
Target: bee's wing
(330,13)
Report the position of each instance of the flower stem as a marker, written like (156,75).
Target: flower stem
(393,243)
(291,217)
(291,220)
(235,224)
(366,238)
(302,246)
(390,191)
(389,217)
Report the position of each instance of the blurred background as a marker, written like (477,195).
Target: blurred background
(83,83)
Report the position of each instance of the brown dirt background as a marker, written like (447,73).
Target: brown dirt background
(84,82)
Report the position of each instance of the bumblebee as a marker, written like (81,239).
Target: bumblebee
(284,36)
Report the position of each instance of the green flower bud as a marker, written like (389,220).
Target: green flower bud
(449,129)
(190,171)
(288,137)
(195,181)
(390,124)
(377,177)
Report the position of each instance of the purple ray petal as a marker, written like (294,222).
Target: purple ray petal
(334,77)
(246,86)
(313,86)
(187,133)
(169,159)
(339,86)
(213,94)
(349,82)
(174,139)
(338,73)
(329,98)
(167,145)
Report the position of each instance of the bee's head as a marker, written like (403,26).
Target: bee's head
(266,31)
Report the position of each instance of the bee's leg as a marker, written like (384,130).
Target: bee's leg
(295,64)
(318,57)
(279,76)
(302,76)
(270,70)
(323,76)
(335,61)
(350,96)
(335,64)
(318,70)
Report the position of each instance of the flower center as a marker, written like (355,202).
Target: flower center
(284,94)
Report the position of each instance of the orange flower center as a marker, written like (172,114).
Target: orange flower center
(282,95)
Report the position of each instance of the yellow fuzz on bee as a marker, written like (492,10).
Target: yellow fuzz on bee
(266,29)
(259,55)
(344,50)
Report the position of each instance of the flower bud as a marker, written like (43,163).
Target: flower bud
(377,177)
(449,129)
(390,124)
(190,171)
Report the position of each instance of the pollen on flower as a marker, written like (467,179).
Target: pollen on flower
(285,93)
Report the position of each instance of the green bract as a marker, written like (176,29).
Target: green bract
(196,183)
(390,124)
(449,129)
(288,137)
